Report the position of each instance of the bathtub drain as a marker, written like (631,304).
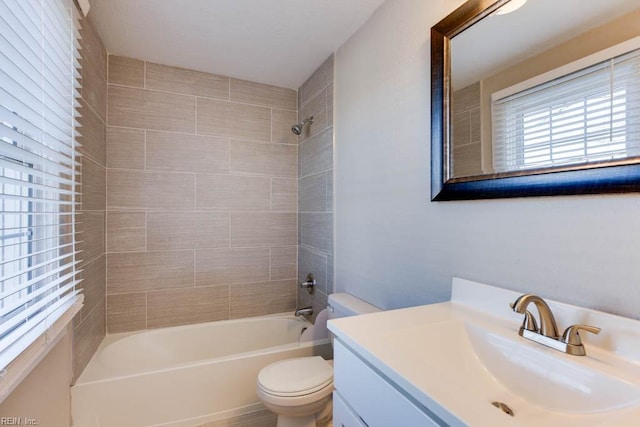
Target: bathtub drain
(503,407)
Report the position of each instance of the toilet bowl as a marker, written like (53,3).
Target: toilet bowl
(299,390)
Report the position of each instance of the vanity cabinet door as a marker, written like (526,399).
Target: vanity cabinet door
(372,397)
(343,415)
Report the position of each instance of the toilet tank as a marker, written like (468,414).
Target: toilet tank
(344,305)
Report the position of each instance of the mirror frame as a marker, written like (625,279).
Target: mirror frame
(609,177)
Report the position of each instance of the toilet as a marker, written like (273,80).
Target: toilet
(300,390)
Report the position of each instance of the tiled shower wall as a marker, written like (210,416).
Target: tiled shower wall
(467,145)
(315,186)
(201,197)
(89,323)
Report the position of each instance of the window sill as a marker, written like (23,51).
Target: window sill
(18,370)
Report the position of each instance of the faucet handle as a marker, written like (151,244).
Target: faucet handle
(571,336)
(529,322)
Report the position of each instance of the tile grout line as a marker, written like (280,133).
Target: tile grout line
(206,135)
(270,261)
(146,309)
(209,98)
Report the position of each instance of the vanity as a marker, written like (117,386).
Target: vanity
(467,362)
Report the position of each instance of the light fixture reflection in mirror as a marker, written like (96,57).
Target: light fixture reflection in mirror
(541,102)
(512,6)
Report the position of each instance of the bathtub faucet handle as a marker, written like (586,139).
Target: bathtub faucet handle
(309,284)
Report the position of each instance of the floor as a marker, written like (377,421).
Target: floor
(263,418)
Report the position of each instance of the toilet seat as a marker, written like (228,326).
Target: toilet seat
(297,377)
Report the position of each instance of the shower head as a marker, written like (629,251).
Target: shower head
(297,128)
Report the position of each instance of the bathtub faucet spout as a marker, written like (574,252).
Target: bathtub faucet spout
(301,311)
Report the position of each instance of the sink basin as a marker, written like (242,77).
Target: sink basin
(488,365)
(465,362)
(545,377)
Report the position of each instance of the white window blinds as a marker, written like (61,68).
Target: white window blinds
(39,63)
(585,116)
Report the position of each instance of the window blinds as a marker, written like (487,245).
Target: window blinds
(589,115)
(39,87)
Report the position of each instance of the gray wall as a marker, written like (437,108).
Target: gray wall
(395,248)
(315,186)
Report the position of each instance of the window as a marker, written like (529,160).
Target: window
(578,117)
(38,161)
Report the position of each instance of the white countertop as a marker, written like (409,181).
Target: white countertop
(455,358)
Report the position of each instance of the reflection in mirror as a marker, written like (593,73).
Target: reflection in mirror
(552,85)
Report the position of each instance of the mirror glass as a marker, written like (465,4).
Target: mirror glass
(552,85)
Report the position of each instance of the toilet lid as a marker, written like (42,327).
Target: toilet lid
(298,376)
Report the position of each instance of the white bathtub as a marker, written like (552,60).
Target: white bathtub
(187,375)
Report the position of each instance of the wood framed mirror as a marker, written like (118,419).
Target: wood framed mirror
(542,100)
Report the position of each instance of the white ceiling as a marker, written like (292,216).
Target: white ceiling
(278,42)
(498,42)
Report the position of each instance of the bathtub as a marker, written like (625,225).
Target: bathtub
(186,376)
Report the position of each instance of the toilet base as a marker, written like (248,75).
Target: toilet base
(309,421)
(324,418)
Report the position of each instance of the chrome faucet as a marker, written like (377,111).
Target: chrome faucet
(547,333)
(302,311)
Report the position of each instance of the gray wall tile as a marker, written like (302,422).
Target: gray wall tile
(93,185)
(92,47)
(126,312)
(329,95)
(173,307)
(126,71)
(232,266)
(150,190)
(126,231)
(187,230)
(316,231)
(190,82)
(263,229)
(264,159)
(284,262)
(259,299)
(189,208)
(143,271)
(125,148)
(94,86)
(281,123)
(261,94)
(90,235)
(146,109)
(233,193)
(89,324)
(87,336)
(315,186)
(284,195)
(92,134)
(316,107)
(187,153)
(330,275)
(319,80)
(316,154)
(234,120)
(93,284)
(315,263)
(313,193)
(329,206)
